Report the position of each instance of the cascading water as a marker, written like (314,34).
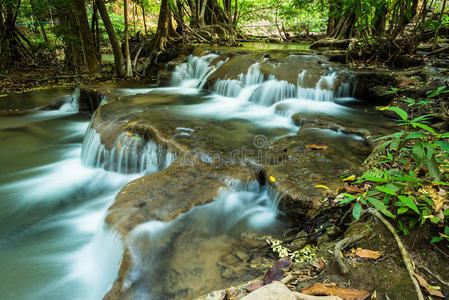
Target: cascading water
(72,102)
(265,100)
(210,230)
(253,87)
(194,72)
(129,154)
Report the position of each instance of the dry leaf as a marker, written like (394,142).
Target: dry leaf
(276,273)
(254,286)
(434,291)
(364,253)
(316,147)
(437,198)
(328,289)
(351,188)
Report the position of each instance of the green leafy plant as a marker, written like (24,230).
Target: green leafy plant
(408,182)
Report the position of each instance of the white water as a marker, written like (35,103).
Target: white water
(53,207)
(267,102)
(129,154)
(238,208)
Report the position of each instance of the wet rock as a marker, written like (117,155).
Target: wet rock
(373,84)
(296,177)
(332,44)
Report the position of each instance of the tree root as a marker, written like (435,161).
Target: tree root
(434,275)
(405,256)
(341,245)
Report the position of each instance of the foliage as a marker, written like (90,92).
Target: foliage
(409,182)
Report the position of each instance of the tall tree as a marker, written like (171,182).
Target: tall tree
(118,56)
(128,66)
(88,44)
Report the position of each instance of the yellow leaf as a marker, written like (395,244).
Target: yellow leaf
(350,178)
(320,186)
(272,179)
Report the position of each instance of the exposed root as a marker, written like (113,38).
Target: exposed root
(405,256)
(341,245)
(434,275)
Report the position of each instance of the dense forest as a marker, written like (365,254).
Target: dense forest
(78,32)
(224,149)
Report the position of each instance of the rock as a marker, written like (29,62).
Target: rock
(332,44)
(272,291)
(295,178)
(243,256)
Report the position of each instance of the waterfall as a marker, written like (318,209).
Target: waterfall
(253,87)
(208,228)
(129,154)
(72,102)
(194,72)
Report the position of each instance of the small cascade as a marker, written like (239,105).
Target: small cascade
(210,230)
(253,87)
(129,154)
(194,72)
(72,102)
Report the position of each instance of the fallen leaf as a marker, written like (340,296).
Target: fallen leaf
(364,253)
(128,133)
(272,179)
(254,286)
(434,291)
(350,178)
(276,273)
(437,198)
(320,186)
(328,289)
(406,83)
(316,147)
(351,188)
(318,263)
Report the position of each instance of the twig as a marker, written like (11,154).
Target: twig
(405,257)
(433,274)
(441,251)
(341,245)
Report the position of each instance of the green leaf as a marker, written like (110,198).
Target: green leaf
(357,210)
(443,145)
(433,168)
(402,210)
(436,239)
(416,135)
(446,212)
(385,190)
(446,230)
(402,113)
(425,127)
(409,203)
(435,220)
(418,153)
(346,200)
(380,206)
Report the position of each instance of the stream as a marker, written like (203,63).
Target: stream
(58,179)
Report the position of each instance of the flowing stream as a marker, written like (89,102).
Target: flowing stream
(57,181)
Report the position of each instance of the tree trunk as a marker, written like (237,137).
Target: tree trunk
(118,57)
(162,27)
(86,38)
(128,66)
(144,19)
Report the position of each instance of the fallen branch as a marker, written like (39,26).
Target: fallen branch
(341,245)
(405,257)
